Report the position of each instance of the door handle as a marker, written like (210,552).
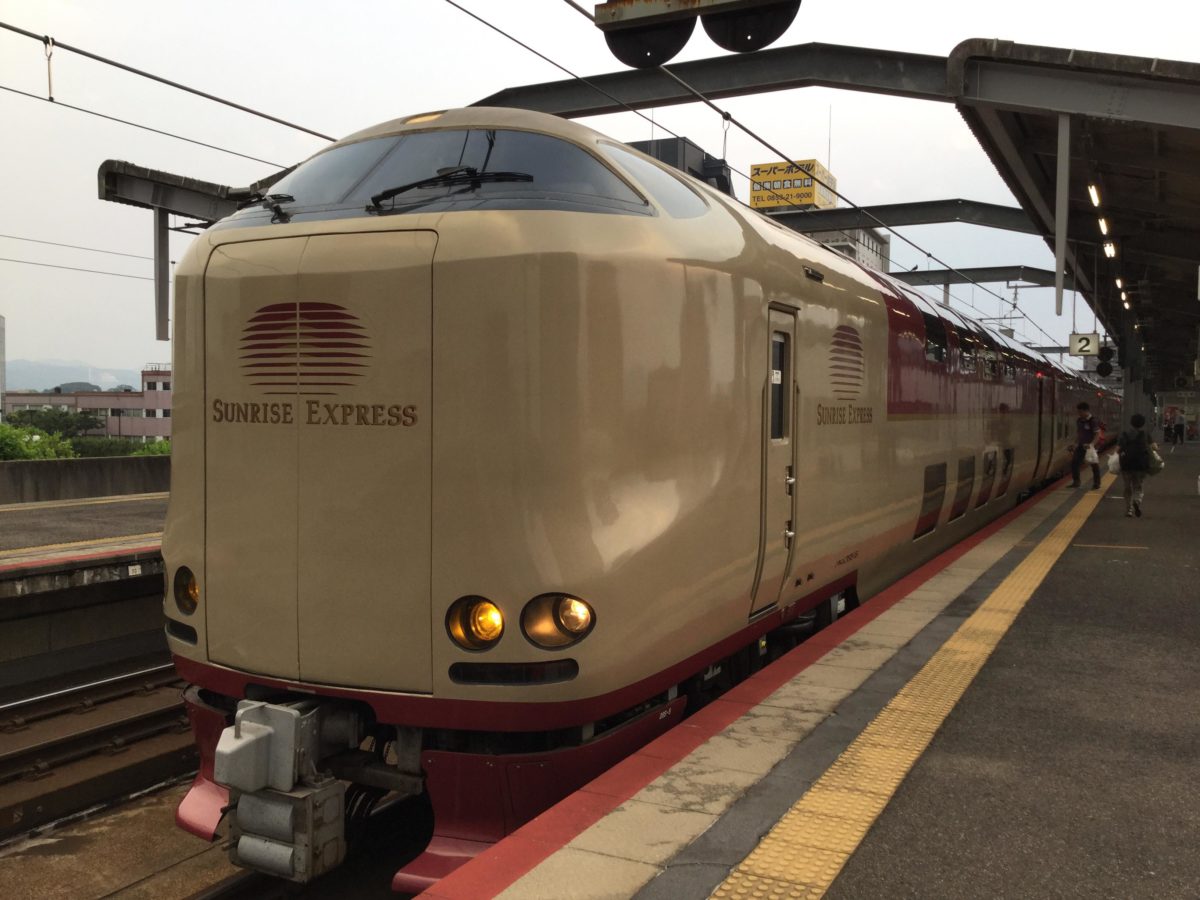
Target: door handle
(790,480)
(788,535)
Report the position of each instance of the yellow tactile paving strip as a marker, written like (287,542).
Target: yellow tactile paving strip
(802,855)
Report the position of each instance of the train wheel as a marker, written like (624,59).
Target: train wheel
(752,29)
(650,45)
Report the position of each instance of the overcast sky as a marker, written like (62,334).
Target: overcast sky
(338,69)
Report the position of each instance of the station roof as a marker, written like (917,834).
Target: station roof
(1135,134)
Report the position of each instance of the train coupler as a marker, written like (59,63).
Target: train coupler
(288,812)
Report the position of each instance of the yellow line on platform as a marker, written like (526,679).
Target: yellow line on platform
(82,501)
(802,855)
(99,543)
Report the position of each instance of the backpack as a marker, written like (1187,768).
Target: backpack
(1135,451)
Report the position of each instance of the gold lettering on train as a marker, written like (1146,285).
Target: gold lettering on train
(283,412)
(846,414)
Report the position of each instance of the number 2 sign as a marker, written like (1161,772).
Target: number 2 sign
(1084,345)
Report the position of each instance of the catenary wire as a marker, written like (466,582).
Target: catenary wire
(26,262)
(179,137)
(13,237)
(59,45)
(730,118)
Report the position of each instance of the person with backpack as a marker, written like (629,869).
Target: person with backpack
(1134,448)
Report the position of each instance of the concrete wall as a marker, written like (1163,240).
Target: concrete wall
(24,481)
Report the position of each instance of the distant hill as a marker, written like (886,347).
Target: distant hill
(41,374)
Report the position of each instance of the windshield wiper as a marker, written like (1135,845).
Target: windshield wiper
(266,201)
(449,177)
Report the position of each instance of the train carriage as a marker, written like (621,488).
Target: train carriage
(496,441)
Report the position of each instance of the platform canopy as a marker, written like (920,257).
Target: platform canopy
(1133,131)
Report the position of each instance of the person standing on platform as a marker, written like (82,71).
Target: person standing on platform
(1087,430)
(1134,448)
(1180,422)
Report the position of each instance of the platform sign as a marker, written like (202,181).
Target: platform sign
(1084,345)
(804,182)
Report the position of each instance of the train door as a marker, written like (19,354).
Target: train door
(777,531)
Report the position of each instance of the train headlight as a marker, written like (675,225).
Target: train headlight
(475,623)
(553,621)
(186,590)
(573,615)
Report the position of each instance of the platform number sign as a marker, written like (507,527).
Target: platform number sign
(1084,345)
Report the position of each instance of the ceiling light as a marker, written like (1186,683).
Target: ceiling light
(1103,226)
(1120,284)
(1110,249)
(1124,302)
(1122,295)
(1094,193)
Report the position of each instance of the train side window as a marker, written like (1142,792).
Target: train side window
(935,338)
(675,197)
(931,503)
(962,491)
(779,381)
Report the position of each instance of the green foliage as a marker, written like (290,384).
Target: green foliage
(65,422)
(154,448)
(105,446)
(32,443)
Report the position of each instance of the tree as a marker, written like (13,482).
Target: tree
(63,422)
(32,443)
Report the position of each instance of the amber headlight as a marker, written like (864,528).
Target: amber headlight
(187,590)
(475,623)
(552,621)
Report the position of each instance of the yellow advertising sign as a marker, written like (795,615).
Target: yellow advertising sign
(799,183)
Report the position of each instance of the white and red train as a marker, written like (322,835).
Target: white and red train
(493,437)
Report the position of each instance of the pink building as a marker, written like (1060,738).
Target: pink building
(143,415)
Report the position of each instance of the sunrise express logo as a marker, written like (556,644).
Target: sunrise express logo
(847,367)
(307,349)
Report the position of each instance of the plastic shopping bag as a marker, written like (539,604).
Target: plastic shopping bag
(1156,463)
(1114,462)
(1091,457)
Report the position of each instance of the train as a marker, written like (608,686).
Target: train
(498,445)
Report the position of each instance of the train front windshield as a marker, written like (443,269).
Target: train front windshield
(450,169)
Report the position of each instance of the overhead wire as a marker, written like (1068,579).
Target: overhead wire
(14,237)
(54,44)
(27,262)
(170,134)
(728,117)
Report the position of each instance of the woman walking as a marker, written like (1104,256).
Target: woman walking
(1134,448)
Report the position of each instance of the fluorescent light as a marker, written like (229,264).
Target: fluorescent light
(1120,284)
(1094,193)
(1103,226)
(1122,295)
(1110,249)
(1124,301)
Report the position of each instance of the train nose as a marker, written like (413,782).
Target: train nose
(317,445)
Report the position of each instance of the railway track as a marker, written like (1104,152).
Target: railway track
(71,750)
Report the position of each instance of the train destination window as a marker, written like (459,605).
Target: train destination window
(675,197)
(931,502)
(988,479)
(962,492)
(1006,471)
(528,170)
(779,381)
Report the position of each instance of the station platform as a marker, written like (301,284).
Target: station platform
(1017,718)
(36,537)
